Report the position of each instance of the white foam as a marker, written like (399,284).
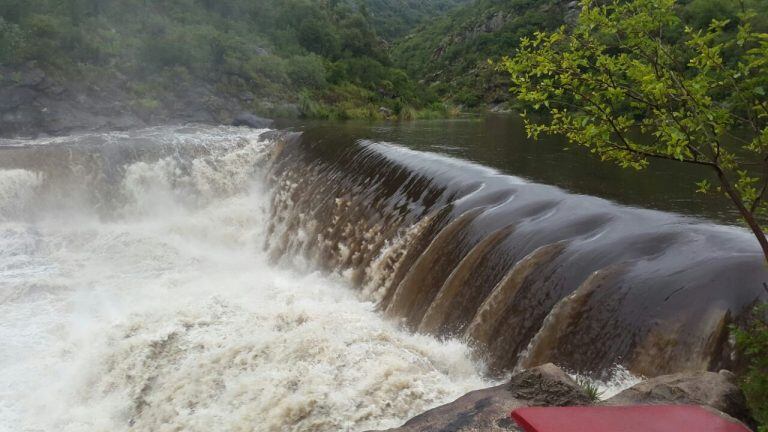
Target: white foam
(617,379)
(169,317)
(17,187)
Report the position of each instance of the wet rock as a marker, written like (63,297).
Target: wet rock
(710,389)
(252,121)
(500,108)
(547,385)
(489,409)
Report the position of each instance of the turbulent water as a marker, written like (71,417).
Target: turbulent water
(528,273)
(136,294)
(202,278)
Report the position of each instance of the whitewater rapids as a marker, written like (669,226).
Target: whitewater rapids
(135,294)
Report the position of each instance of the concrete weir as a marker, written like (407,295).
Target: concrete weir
(528,273)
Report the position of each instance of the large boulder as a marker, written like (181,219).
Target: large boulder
(489,409)
(548,385)
(710,389)
(252,121)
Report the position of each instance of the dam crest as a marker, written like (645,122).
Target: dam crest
(526,273)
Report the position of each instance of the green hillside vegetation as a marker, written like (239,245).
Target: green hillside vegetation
(452,53)
(330,59)
(324,57)
(393,19)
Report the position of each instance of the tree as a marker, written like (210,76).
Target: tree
(630,82)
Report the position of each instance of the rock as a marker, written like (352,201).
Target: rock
(489,409)
(247,97)
(385,111)
(252,121)
(32,78)
(495,24)
(14,97)
(715,390)
(500,108)
(547,385)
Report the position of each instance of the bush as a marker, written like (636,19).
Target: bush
(752,342)
(310,108)
(700,13)
(307,71)
(267,68)
(45,37)
(271,49)
(11,42)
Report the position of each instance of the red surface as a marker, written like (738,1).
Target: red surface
(656,418)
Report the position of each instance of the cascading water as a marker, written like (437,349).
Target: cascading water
(136,295)
(526,273)
(148,281)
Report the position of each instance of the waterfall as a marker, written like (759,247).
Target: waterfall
(526,273)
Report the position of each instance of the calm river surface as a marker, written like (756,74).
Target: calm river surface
(499,141)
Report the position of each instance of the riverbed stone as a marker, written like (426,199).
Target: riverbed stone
(717,390)
(489,409)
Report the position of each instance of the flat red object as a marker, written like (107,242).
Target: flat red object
(640,418)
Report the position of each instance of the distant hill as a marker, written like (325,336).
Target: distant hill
(451,52)
(393,19)
(207,59)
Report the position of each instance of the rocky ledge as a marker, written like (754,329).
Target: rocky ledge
(548,385)
(34,103)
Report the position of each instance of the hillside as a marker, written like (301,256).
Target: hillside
(204,60)
(393,19)
(451,53)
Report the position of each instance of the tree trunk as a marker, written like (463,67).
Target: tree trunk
(757,230)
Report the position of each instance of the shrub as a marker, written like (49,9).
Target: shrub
(306,71)
(310,108)
(46,35)
(590,388)
(11,42)
(270,67)
(752,342)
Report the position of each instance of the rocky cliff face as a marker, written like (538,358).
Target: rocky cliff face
(34,103)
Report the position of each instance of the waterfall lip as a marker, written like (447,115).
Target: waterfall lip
(560,241)
(438,165)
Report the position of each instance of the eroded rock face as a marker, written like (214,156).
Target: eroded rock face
(489,409)
(710,389)
(33,104)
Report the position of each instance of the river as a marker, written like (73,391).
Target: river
(206,278)
(136,295)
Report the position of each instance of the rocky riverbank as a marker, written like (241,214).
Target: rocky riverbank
(34,103)
(548,385)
